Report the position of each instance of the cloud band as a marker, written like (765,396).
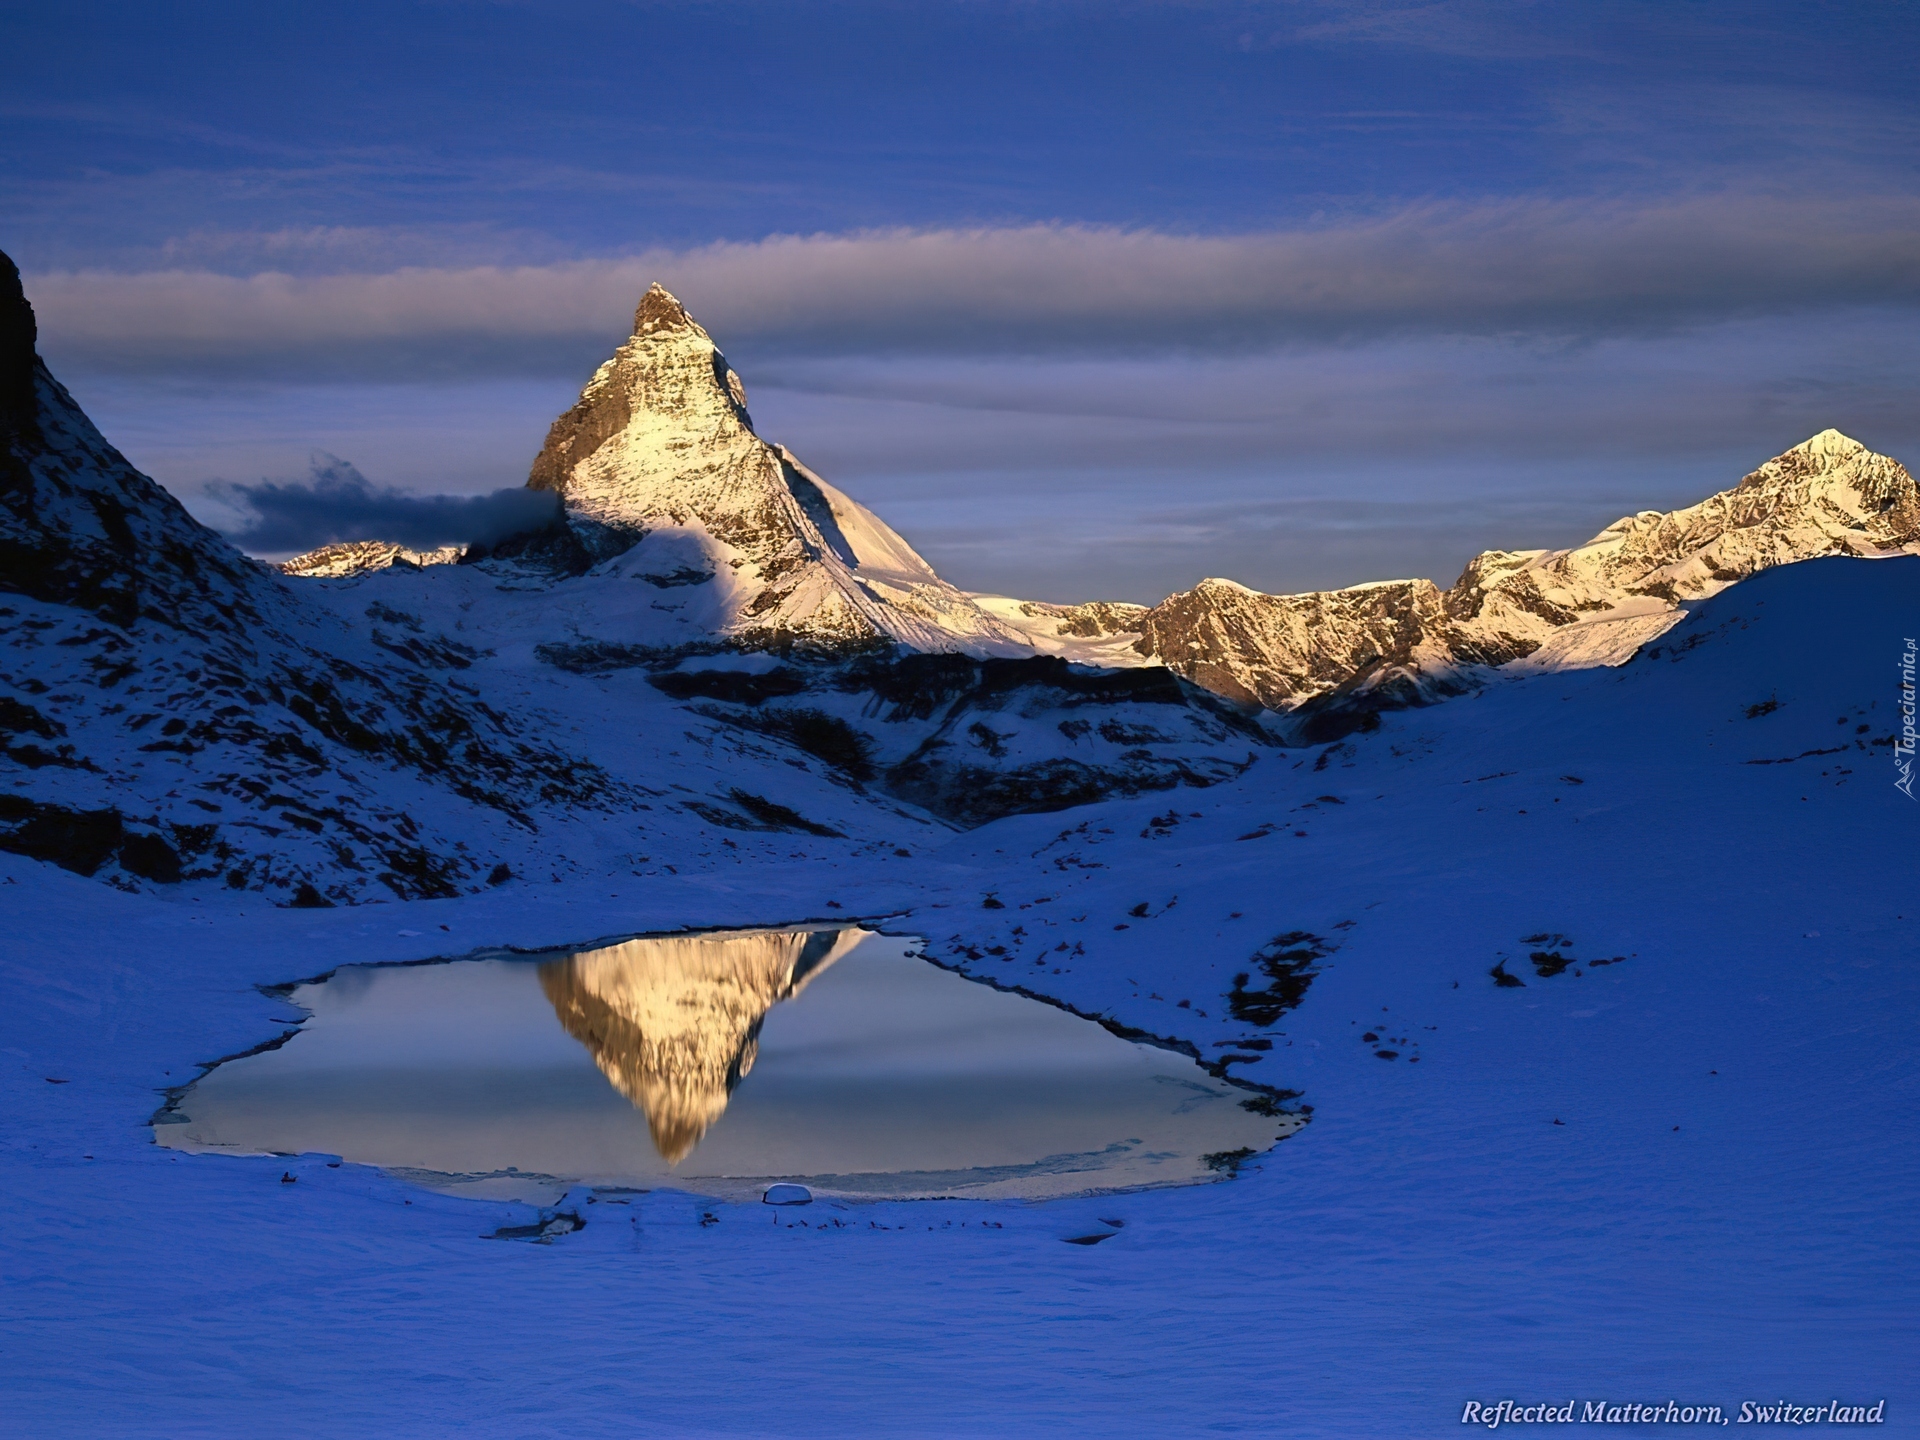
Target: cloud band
(1545,269)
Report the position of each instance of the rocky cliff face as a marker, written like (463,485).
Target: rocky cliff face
(661,439)
(1406,641)
(1277,650)
(674,1024)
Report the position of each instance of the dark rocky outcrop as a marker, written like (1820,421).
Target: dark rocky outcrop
(974,740)
(19,337)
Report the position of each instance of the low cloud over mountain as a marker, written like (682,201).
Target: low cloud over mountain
(338,503)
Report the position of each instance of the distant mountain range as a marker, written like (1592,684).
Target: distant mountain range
(712,655)
(661,441)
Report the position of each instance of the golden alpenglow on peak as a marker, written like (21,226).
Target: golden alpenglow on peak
(1594,604)
(660,440)
(660,309)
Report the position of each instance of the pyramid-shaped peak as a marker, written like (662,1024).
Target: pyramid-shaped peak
(660,309)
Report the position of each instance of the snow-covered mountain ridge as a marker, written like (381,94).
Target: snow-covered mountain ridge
(172,712)
(662,437)
(661,444)
(357,557)
(1408,641)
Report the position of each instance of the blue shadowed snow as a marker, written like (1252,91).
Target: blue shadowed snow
(1725,1212)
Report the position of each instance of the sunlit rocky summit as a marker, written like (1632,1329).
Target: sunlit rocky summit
(661,441)
(1405,641)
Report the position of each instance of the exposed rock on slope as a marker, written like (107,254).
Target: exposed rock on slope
(661,439)
(1406,641)
(1278,650)
(973,740)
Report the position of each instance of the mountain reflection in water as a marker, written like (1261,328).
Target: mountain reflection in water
(675,1023)
(889,1077)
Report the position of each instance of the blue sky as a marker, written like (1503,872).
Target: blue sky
(1085,299)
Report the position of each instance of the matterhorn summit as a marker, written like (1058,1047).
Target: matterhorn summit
(661,444)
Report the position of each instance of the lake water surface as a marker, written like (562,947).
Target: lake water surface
(720,1063)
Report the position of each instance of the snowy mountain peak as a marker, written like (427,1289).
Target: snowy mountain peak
(660,443)
(1829,444)
(1831,480)
(1532,610)
(660,432)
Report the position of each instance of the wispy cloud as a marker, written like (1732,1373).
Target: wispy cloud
(1528,268)
(336,502)
(1475,28)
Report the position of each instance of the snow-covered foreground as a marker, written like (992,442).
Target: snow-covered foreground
(1725,1212)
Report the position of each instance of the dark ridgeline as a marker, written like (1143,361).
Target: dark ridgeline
(18,336)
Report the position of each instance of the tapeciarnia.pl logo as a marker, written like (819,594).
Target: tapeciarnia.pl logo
(1903,742)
